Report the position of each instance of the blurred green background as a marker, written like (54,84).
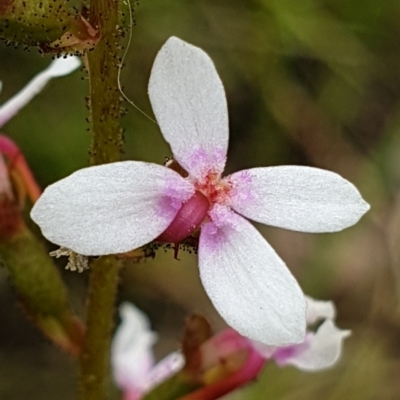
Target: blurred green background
(308,83)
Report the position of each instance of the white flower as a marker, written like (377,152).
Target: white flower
(118,207)
(320,349)
(136,373)
(59,67)
(133,365)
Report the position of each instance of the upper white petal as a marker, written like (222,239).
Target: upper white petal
(250,285)
(131,350)
(110,208)
(59,67)
(189,103)
(318,309)
(323,350)
(298,198)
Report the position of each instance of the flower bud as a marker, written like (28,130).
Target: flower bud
(16,183)
(36,280)
(10,216)
(214,365)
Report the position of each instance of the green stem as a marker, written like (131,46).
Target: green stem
(173,388)
(94,360)
(40,289)
(104,100)
(103,64)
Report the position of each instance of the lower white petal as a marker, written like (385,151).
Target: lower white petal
(298,198)
(112,208)
(323,348)
(249,284)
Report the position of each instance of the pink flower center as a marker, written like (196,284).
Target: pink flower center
(210,190)
(216,189)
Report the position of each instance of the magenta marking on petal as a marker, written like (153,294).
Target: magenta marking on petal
(201,161)
(242,192)
(168,207)
(212,237)
(175,192)
(218,157)
(177,189)
(209,229)
(283,354)
(214,232)
(197,159)
(222,216)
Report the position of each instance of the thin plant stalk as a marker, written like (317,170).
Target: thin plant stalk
(104,102)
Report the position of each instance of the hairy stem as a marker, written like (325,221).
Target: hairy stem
(94,360)
(103,64)
(104,101)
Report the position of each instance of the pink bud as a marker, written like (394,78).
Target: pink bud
(16,180)
(10,218)
(230,361)
(17,163)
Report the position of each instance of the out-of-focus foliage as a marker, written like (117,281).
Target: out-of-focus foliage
(312,82)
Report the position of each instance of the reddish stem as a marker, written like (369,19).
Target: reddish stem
(17,162)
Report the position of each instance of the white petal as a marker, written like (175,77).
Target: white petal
(189,102)
(59,67)
(110,208)
(131,350)
(164,369)
(250,285)
(318,309)
(298,198)
(265,350)
(323,350)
